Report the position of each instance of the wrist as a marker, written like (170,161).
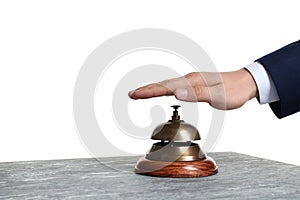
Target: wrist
(248,82)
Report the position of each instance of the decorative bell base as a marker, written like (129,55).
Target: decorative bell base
(177,169)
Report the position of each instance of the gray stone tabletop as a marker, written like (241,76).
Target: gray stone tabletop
(240,177)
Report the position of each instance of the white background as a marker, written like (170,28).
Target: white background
(43,45)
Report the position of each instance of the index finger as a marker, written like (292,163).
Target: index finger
(166,87)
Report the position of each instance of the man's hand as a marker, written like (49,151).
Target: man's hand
(225,90)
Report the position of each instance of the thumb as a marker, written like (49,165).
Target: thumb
(193,94)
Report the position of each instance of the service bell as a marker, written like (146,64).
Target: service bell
(176,155)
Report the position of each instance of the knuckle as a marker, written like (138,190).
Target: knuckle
(198,92)
(166,83)
(191,75)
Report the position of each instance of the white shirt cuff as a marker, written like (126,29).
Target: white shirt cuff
(265,85)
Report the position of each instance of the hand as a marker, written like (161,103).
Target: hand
(225,90)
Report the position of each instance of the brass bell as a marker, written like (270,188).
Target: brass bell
(175,155)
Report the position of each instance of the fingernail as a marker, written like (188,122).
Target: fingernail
(181,93)
(131,93)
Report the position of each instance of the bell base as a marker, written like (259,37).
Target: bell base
(177,169)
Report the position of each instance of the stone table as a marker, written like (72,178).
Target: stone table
(240,177)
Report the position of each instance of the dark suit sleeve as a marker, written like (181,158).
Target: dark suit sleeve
(283,66)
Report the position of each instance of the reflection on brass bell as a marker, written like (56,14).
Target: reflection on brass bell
(175,155)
